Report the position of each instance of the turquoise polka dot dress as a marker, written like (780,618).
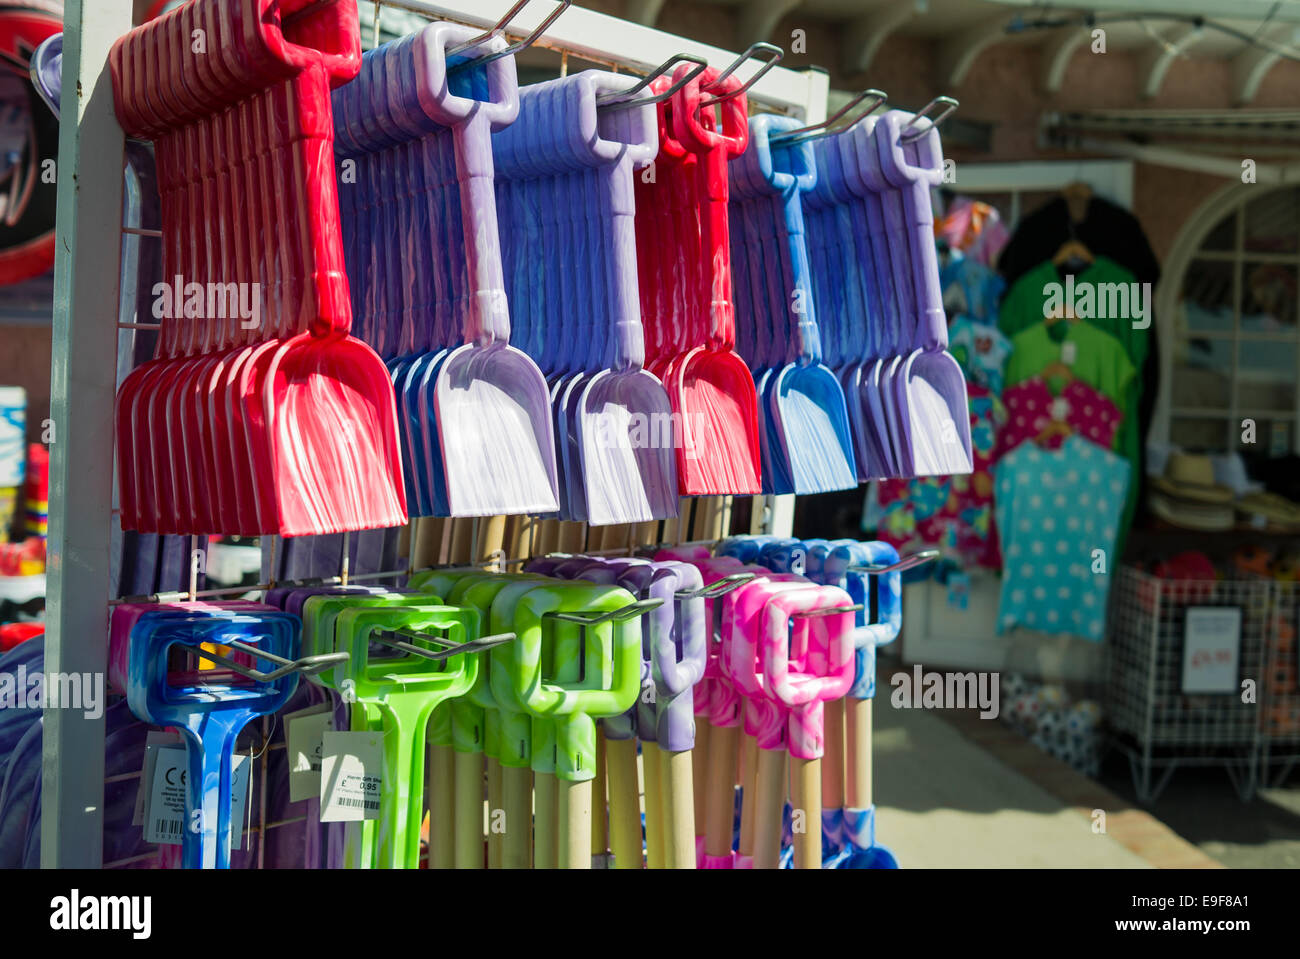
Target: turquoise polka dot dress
(1058,514)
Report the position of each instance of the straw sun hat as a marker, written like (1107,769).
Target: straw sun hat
(1187,495)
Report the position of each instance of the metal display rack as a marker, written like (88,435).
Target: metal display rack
(1279,729)
(89,273)
(1159,726)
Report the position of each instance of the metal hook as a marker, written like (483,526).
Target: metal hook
(829,611)
(480,567)
(452,649)
(811,132)
(308,665)
(719,588)
(630,611)
(775,52)
(627,98)
(950,105)
(907,562)
(500,27)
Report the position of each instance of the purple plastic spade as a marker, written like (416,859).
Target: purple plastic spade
(929,388)
(629,471)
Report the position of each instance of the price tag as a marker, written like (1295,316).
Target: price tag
(1211,649)
(152,741)
(306,738)
(165,819)
(352,776)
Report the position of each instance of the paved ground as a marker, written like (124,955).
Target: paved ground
(1202,806)
(943,801)
(953,790)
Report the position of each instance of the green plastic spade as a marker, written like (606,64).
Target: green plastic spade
(593,635)
(470,736)
(452,778)
(407,688)
(319,618)
(526,745)
(506,734)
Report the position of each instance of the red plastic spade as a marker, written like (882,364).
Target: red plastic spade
(285,425)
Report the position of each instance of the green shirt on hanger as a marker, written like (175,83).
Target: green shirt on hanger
(1096,358)
(1116,301)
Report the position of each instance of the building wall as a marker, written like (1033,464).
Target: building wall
(1004,88)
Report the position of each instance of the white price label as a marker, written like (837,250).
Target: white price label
(154,739)
(352,776)
(306,738)
(165,819)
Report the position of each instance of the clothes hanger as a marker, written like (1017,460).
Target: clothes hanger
(1054,428)
(1057,370)
(1077,196)
(1073,256)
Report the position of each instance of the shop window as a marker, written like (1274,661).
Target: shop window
(1236,343)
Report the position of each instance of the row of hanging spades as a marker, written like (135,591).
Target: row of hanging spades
(467,676)
(584,297)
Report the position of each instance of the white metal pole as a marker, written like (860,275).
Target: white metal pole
(83,381)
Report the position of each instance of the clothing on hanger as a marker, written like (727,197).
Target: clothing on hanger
(1026,302)
(1094,357)
(981,350)
(980,287)
(1032,411)
(953,512)
(973,227)
(1106,230)
(1055,509)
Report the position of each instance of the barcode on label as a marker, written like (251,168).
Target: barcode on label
(357,803)
(171,827)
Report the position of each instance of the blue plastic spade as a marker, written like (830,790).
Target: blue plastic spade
(210,708)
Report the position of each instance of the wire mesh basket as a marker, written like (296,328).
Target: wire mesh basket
(1152,719)
(1280,693)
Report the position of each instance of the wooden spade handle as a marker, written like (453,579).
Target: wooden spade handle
(833,758)
(624,803)
(721,812)
(469,810)
(599,818)
(545,852)
(768,802)
(496,802)
(806,788)
(573,809)
(442,806)
(858,746)
(678,810)
(652,771)
(700,768)
(749,789)
(517,803)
